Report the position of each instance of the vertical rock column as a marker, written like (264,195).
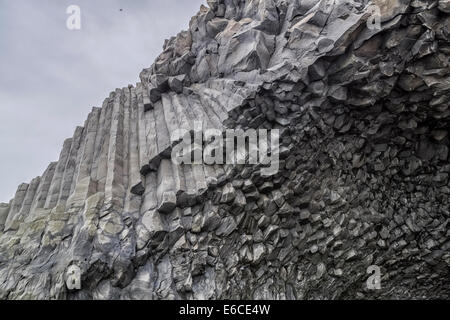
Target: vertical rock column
(98,145)
(44,186)
(85,187)
(78,160)
(101,160)
(16,205)
(4,210)
(55,186)
(114,188)
(70,166)
(149,198)
(135,187)
(126,98)
(166,196)
(28,200)
(143,130)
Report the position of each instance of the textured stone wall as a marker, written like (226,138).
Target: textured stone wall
(364,165)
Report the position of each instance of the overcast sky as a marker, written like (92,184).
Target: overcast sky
(51,77)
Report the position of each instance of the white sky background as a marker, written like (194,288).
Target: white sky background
(51,77)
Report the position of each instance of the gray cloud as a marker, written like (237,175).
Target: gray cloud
(51,77)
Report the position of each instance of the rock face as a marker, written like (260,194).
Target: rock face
(364,165)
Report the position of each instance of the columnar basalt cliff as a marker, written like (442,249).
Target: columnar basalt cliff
(364,165)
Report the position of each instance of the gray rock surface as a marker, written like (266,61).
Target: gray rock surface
(364,165)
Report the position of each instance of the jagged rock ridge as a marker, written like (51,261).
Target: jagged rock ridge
(364,176)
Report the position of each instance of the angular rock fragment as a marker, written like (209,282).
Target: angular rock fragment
(444,6)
